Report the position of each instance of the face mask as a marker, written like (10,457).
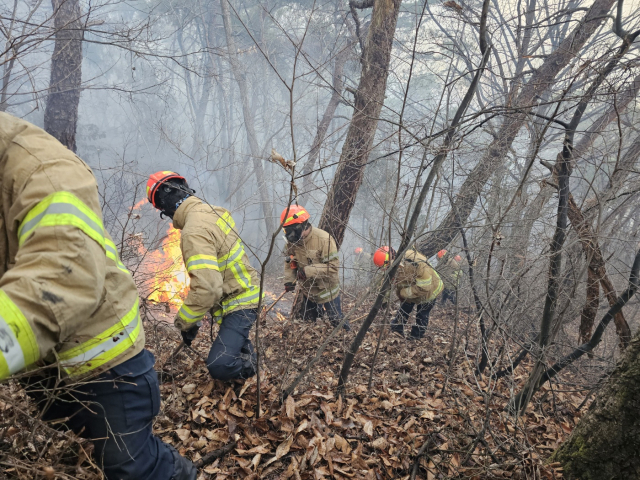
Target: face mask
(170,196)
(294,233)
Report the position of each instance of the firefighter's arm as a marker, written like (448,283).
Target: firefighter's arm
(205,288)
(289,273)
(329,262)
(58,277)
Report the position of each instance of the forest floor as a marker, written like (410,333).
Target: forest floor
(420,416)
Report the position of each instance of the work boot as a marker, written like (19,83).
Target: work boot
(249,361)
(345,325)
(397,328)
(183,468)
(417,332)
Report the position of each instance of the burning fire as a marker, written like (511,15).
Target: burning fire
(167,280)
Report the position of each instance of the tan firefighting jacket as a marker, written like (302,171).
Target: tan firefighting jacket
(317,254)
(449,271)
(221,278)
(64,293)
(416,280)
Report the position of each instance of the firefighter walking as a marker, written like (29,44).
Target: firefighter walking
(449,270)
(417,284)
(312,262)
(221,279)
(69,306)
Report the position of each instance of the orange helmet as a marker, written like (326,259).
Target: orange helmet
(157,179)
(381,257)
(358,250)
(457,258)
(442,253)
(295,214)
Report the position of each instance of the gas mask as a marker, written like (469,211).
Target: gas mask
(293,233)
(170,195)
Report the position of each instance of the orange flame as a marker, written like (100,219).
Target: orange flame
(169,281)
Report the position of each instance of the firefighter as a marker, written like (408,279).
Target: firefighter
(417,283)
(221,279)
(312,261)
(449,270)
(69,306)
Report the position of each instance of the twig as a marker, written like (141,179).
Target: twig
(211,456)
(421,452)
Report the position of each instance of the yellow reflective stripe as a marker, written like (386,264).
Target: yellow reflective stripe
(112,252)
(196,262)
(248,297)
(18,345)
(331,256)
(233,261)
(232,253)
(62,208)
(421,282)
(295,216)
(190,316)
(329,292)
(226,223)
(104,347)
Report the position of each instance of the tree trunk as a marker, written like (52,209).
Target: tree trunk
(61,113)
(590,309)
(541,80)
(323,126)
(248,117)
(606,442)
(369,99)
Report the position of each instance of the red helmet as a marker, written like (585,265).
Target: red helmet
(157,179)
(358,250)
(381,257)
(457,258)
(442,253)
(295,214)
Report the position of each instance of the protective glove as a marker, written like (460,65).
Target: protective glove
(405,293)
(301,275)
(189,336)
(289,287)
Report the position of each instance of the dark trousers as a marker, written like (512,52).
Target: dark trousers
(116,411)
(422,318)
(232,355)
(332,309)
(449,295)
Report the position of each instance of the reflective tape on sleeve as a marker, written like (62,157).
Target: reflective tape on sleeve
(197,262)
(226,223)
(423,282)
(104,347)
(331,256)
(189,315)
(112,252)
(18,345)
(329,292)
(62,209)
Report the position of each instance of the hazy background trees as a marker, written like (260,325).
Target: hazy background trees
(361,95)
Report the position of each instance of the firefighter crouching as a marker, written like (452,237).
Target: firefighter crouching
(416,284)
(221,279)
(312,262)
(69,305)
(449,270)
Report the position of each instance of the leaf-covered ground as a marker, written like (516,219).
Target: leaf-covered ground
(420,414)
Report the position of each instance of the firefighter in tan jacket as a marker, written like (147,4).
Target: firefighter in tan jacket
(449,270)
(69,305)
(221,279)
(417,283)
(312,261)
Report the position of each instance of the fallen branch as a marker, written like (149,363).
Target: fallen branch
(211,456)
